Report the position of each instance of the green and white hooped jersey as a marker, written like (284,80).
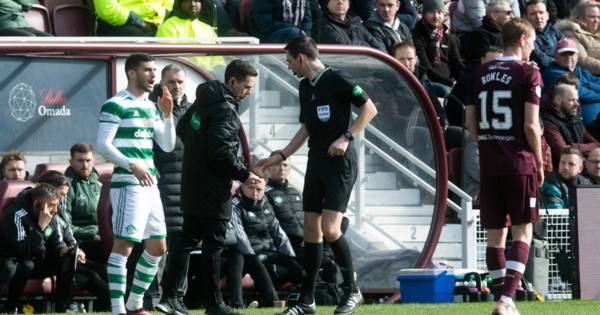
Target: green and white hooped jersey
(136,120)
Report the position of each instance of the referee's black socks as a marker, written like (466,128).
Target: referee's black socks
(343,256)
(313,257)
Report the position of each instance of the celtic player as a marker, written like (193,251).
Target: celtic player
(128,124)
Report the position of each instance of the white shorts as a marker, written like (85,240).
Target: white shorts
(137,213)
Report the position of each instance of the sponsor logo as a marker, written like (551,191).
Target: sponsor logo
(130,229)
(54,104)
(21,101)
(195,121)
(278,200)
(143,133)
(324,113)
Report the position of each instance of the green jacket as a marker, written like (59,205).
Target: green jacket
(119,12)
(82,203)
(11,13)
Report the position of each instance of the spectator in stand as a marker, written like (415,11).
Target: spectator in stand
(566,57)
(584,27)
(130,17)
(12,19)
(592,166)
(13,166)
(558,191)
(183,22)
(546,34)
(497,12)
(437,49)
(174,265)
(469,14)
(406,54)
(338,26)
(280,21)
(31,246)
(562,122)
(386,26)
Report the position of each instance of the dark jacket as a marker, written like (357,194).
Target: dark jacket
(267,17)
(386,34)
(561,131)
(557,193)
(261,226)
(421,74)
(82,204)
(486,35)
(168,165)
(545,45)
(210,132)
(287,204)
(450,68)
(21,236)
(330,30)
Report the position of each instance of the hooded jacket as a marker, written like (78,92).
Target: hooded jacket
(486,35)
(386,34)
(557,193)
(588,88)
(11,13)
(132,12)
(589,44)
(210,132)
(330,30)
(21,236)
(451,67)
(267,17)
(82,204)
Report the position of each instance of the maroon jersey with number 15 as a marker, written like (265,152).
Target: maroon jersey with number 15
(499,91)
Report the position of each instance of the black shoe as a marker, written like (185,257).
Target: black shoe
(169,306)
(220,310)
(349,303)
(299,309)
(181,305)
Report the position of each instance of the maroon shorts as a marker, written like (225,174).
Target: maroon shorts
(508,200)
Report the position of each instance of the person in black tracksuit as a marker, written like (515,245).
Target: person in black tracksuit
(31,246)
(168,165)
(210,132)
(263,244)
(326,96)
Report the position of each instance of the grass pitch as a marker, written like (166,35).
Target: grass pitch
(574,307)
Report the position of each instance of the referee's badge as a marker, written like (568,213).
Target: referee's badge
(324,113)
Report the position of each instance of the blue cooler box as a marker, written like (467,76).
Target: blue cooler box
(426,286)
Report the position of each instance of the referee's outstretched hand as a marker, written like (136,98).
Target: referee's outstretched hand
(266,162)
(338,147)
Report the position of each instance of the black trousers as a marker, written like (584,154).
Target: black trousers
(174,276)
(14,274)
(281,268)
(212,234)
(105,29)
(238,265)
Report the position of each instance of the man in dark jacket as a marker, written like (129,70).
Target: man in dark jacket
(279,21)
(210,133)
(546,34)
(168,164)
(31,245)
(488,34)
(386,26)
(438,50)
(558,191)
(338,26)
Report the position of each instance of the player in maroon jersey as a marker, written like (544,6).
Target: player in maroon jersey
(503,115)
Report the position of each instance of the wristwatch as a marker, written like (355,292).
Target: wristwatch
(348,135)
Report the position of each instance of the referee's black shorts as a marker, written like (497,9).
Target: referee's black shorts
(329,181)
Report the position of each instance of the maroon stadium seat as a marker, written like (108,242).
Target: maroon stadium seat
(38,18)
(455,165)
(104,213)
(245,15)
(105,171)
(51,4)
(43,167)
(72,20)
(9,189)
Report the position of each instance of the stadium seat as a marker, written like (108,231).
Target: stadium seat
(9,189)
(72,20)
(51,4)
(43,167)
(105,171)
(455,165)
(245,15)
(39,18)
(104,213)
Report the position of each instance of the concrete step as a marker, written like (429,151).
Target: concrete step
(424,210)
(269,99)
(402,196)
(381,180)
(451,233)
(279,115)
(278,131)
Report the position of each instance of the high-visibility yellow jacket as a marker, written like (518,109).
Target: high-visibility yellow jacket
(117,12)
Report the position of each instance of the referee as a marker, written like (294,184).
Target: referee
(326,95)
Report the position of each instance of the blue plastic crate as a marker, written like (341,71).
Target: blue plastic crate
(426,286)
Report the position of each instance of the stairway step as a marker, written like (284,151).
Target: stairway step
(451,233)
(424,210)
(403,196)
(381,180)
(278,131)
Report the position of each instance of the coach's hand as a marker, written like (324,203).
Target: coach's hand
(141,173)
(338,147)
(165,102)
(266,162)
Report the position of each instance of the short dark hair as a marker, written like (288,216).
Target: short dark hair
(239,69)
(134,60)
(43,191)
(81,147)
(170,67)
(303,45)
(402,45)
(572,150)
(569,78)
(534,2)
(52,177)
(13,155)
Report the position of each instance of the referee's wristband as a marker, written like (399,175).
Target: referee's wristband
(280,152)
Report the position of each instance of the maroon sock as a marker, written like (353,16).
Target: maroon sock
(496,264)
(515,266)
